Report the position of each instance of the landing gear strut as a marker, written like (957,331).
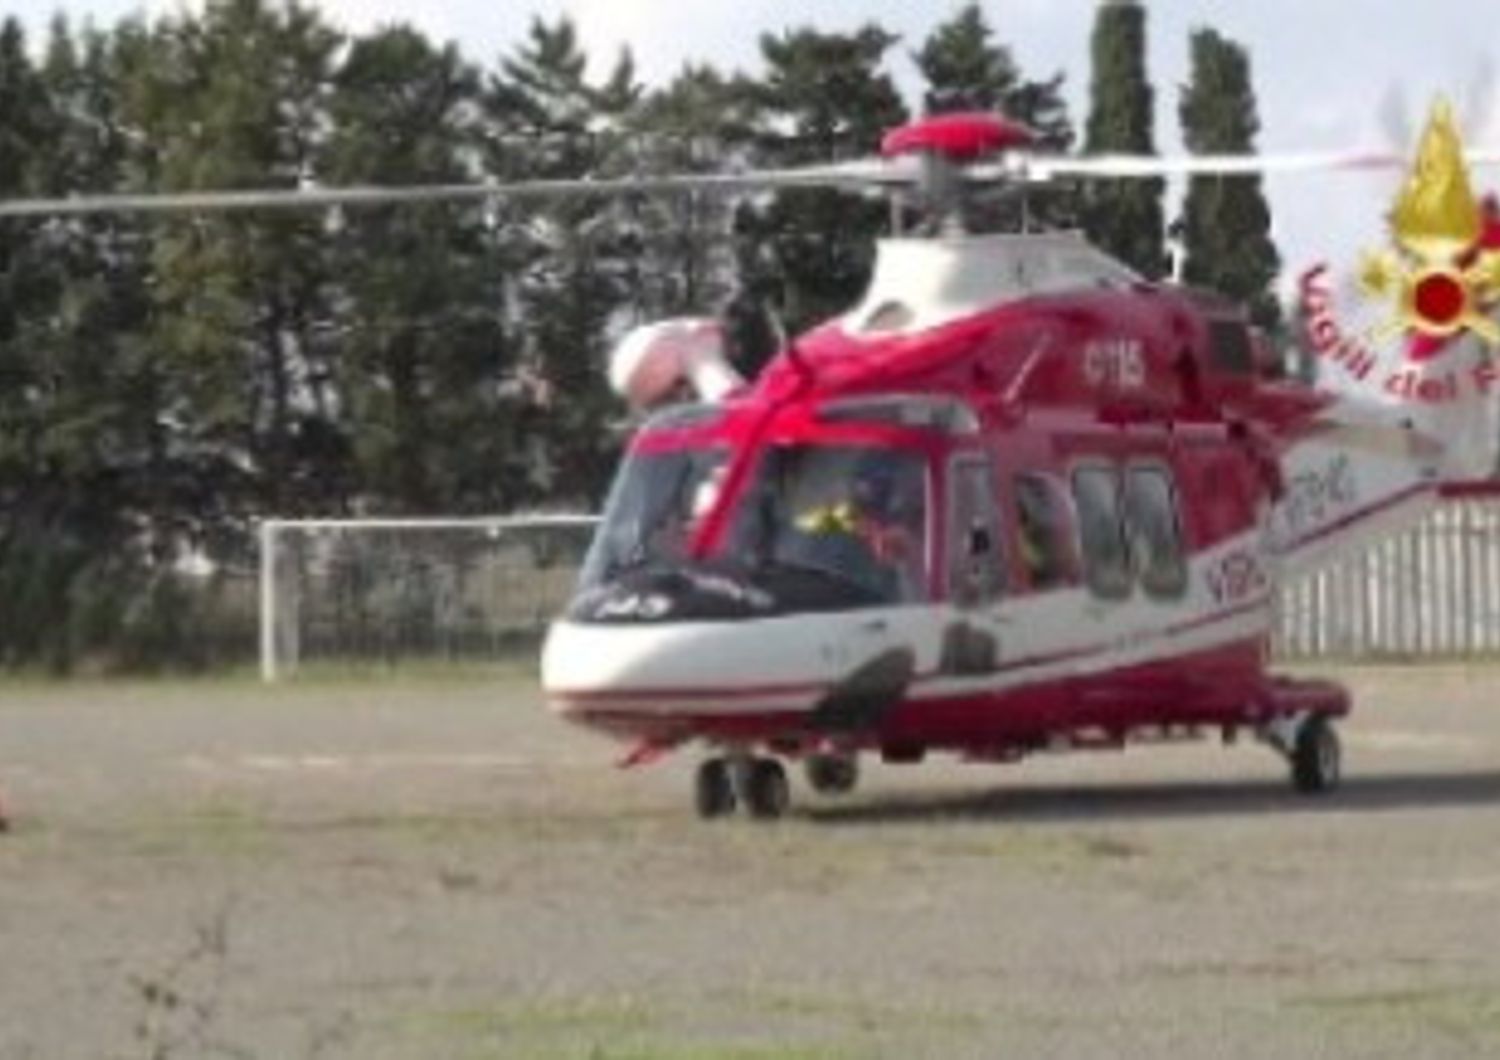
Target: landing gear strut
(758,784)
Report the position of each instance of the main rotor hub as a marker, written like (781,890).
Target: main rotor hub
(957,138)
(945,144)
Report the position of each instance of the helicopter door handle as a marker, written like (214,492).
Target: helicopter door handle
(874,625)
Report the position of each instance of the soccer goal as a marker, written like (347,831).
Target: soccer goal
(352,591)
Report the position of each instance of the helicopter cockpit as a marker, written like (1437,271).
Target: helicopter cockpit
(829,511)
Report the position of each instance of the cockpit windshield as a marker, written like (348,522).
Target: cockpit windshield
(654,510)
(857,514)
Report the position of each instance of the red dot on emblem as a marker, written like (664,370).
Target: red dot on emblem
(1439,298)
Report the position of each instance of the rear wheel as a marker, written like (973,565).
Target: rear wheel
(832,774)
(1316,757)
(713,794)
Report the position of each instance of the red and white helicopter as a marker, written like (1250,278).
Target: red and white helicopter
(1017,499)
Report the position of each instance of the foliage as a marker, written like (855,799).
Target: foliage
(165,381)
(571,256)
(966,70)
(823,97)
(1226,223)
(1123,216)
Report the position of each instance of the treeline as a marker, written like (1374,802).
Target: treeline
(166,380)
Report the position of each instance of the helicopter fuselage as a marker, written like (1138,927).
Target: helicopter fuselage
(1044,523)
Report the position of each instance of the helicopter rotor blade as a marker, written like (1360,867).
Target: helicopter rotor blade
(853,175)
(1147,166)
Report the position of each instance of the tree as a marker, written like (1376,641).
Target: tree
(571,257)
(235,98)
(1123,216)
(1226,223)
(36,562)
(698,123)
(966,70)
(824,97)
(420,307)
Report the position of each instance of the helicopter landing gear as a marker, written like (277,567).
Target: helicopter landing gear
(758,784)
(832,774)
(1311,746)
(713,792)
(1316,757)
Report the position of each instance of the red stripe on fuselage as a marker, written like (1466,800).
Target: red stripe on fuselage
(1353,517)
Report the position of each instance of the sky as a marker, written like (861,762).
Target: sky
(1324,70)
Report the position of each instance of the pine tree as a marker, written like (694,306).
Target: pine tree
(1226,223)
(235,98)
(825,96)
(966,70)
(424,351)
(37,559)
(1123,216)
(571,257)
(698,123)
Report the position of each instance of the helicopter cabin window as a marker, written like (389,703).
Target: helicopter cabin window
(1041,526)
(974,569)
(1155,531)
(853,516)
(1106,558)
(654,508)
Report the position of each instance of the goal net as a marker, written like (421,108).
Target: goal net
(352,591)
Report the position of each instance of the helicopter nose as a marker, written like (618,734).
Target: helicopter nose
(595,673)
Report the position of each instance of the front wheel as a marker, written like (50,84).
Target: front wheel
(713,793)
(767,793)
(1316,757)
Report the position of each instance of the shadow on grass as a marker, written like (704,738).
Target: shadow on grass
(1358,795)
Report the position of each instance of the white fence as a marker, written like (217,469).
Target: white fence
(1432,592)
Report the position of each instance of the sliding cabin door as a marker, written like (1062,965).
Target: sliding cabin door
(1132,630)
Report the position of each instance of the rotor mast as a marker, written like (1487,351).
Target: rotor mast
(946,147)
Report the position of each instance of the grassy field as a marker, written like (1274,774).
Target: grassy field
(425,864)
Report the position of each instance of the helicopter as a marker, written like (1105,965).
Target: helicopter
(1016,500)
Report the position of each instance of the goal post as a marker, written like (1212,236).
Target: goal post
(395,590)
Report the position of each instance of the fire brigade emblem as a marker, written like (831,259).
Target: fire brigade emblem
(1443,276)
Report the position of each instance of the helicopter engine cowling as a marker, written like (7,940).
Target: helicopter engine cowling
(652,363)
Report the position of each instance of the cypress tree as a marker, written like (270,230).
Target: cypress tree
(1226,223)
(1123,216)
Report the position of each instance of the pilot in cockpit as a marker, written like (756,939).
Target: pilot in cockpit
(883,511)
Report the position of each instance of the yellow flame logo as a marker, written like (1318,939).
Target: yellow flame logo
(1440,282)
